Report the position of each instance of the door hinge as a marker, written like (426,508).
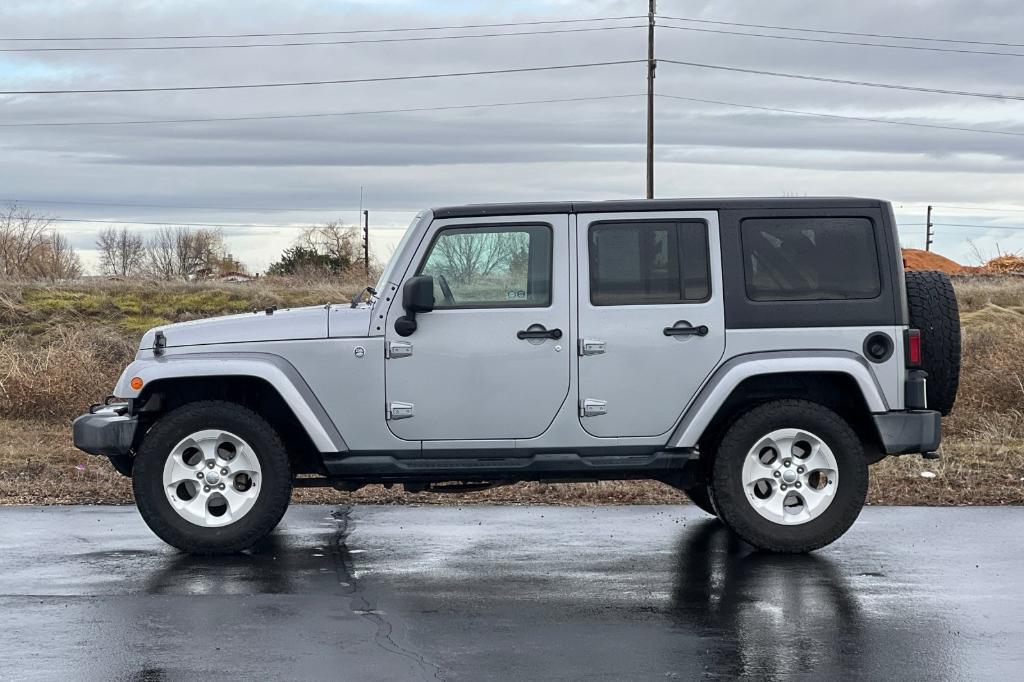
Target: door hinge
(398,349)
(591,347)
(397,410)
(590,407)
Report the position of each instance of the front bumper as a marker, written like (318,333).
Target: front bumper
(108,431)
(909,431)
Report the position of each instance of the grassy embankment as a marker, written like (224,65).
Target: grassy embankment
(62,347)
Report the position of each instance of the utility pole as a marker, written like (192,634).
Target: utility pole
(366,242)
(928,231)
(651,65)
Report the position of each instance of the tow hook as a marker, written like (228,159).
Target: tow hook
(930,455)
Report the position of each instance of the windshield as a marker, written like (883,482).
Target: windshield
(388,273)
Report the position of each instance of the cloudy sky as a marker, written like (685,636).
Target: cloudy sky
(242,172)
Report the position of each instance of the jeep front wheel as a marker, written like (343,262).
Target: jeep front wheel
(212,478)
(790,476)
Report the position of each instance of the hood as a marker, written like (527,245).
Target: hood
(346,321)
(279,325)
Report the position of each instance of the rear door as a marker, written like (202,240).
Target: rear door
(651,320)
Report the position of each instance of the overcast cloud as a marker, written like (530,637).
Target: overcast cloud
(580,150)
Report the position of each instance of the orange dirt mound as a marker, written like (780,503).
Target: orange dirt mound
(916,259)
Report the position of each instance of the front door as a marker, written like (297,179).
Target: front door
(651,319)
(491,361)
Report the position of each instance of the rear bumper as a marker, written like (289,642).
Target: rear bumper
(909,431)
(105,432)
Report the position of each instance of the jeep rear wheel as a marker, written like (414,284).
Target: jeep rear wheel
(212,478)
(790,476)
(700,495)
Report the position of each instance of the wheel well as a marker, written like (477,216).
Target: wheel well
(164,395)
(837,391)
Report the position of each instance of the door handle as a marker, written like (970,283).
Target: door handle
(539,333)
(684,329)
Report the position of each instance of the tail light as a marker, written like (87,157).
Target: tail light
(913,348)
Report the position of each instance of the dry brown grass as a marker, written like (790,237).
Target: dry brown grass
(975,292)
(989,404)
(38,465)
(974,472)
(57,378)
(133,306)
(63,347)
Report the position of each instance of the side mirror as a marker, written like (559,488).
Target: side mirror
(418,294)
(417,297)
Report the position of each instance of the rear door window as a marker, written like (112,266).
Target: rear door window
(649,262)
(810,259)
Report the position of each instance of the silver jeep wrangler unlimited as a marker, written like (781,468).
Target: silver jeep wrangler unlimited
(758,354)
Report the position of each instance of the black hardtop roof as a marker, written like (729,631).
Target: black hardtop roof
(627,205)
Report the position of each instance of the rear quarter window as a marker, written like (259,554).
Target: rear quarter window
(810,259)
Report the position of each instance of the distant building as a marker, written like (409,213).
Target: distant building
(236,277)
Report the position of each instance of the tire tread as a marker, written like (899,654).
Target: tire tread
(933,309)
(735,445)
(272,456)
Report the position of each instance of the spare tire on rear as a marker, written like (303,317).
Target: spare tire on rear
(934,311)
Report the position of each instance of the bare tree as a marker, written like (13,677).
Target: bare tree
(121,252)
(184,252)
(160,254)
(470,255)
(21,235)
(333,240)
(57,259)
(31,248)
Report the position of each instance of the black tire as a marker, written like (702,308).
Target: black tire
(731,499)
(700,495)
(271,502)
(122,464)
(933,309)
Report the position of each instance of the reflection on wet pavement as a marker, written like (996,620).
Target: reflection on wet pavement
(511,593)
(771,615)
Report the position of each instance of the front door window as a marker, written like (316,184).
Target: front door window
(491,267)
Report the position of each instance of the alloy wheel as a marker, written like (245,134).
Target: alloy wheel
(212,478)
(790,476)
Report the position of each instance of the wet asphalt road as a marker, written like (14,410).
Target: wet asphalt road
(471,593)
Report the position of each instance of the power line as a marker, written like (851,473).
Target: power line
(168,223)
(966,225)
(455,107)
(979,208)
(844,33)
(848,118)
(343,81)
(841,81)
(980,227)
(322,33)
(833,41)
(362,41)
(188,223)
(274,117)
(254,209)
